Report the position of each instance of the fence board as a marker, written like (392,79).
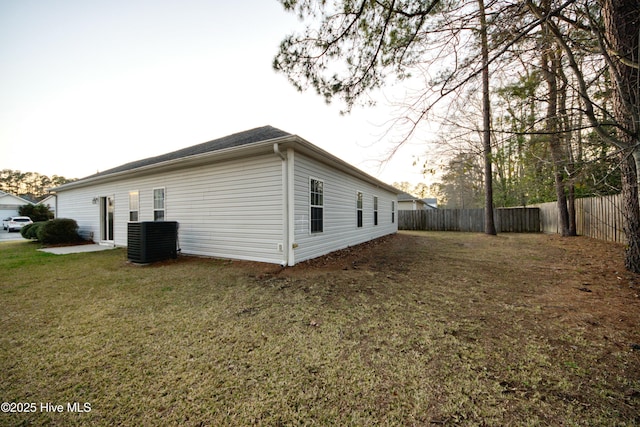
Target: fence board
(520,220)
(597,217)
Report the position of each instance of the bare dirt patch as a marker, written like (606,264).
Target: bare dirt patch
(531,309)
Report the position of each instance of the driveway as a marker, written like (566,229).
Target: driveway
(5,236)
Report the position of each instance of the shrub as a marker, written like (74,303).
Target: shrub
(37,213)
(61,230)
(30,231)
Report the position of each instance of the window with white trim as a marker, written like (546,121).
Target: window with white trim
(359,208)
(375,210)
(158,204)
(393,212)
(134,206)
(316,205)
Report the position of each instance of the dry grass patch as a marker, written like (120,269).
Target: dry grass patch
(412,329)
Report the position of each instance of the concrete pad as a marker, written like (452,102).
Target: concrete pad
(64,250)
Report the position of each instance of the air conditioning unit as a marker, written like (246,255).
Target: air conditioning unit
(152,241)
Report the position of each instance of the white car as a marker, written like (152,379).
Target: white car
(15,223)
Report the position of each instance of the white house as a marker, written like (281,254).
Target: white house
(50,202)
(9,204)
(407,202)
(263,195)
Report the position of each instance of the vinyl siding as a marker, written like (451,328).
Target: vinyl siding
(9,206)
(78,205)
(340,224)
(229,210)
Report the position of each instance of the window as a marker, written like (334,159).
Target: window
(359,208)
(316,199)
(134,206)
(158,204)
(393,212)
(375,210)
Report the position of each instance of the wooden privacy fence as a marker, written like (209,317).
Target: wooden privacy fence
(597,217)
(517,220)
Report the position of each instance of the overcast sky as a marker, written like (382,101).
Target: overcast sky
(86,86)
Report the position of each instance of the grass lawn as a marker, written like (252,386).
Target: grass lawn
(412,329)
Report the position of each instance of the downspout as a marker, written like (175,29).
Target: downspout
(55,214)
(291,203)
(285,209)
(276,149)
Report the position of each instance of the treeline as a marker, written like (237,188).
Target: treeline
(29,185)
(554,134)
(520,182)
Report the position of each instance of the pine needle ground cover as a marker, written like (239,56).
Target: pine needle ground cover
(411,329)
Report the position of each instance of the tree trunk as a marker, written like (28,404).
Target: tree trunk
(550,65)
(566,138)
(622,25)
(571,208)
(630,210)
(489,224)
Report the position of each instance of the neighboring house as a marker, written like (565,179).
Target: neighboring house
(407,202)
(262,195)
(49,201)
(9,204)
(431,203)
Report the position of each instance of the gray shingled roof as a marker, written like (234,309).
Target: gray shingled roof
(237,139)
(404,197)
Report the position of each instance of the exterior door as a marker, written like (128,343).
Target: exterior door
(107,207)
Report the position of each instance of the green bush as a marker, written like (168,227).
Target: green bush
(61,230)
(37,213)
(30,231)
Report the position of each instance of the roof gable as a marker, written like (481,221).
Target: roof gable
(235,140)
(8,198)
(406,197)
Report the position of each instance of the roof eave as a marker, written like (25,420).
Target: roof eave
(195,160)
(295,141)
(323,156)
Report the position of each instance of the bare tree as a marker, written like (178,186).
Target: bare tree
(621,46)
(489,224)
(550,66)
(615,24)
(352,47)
